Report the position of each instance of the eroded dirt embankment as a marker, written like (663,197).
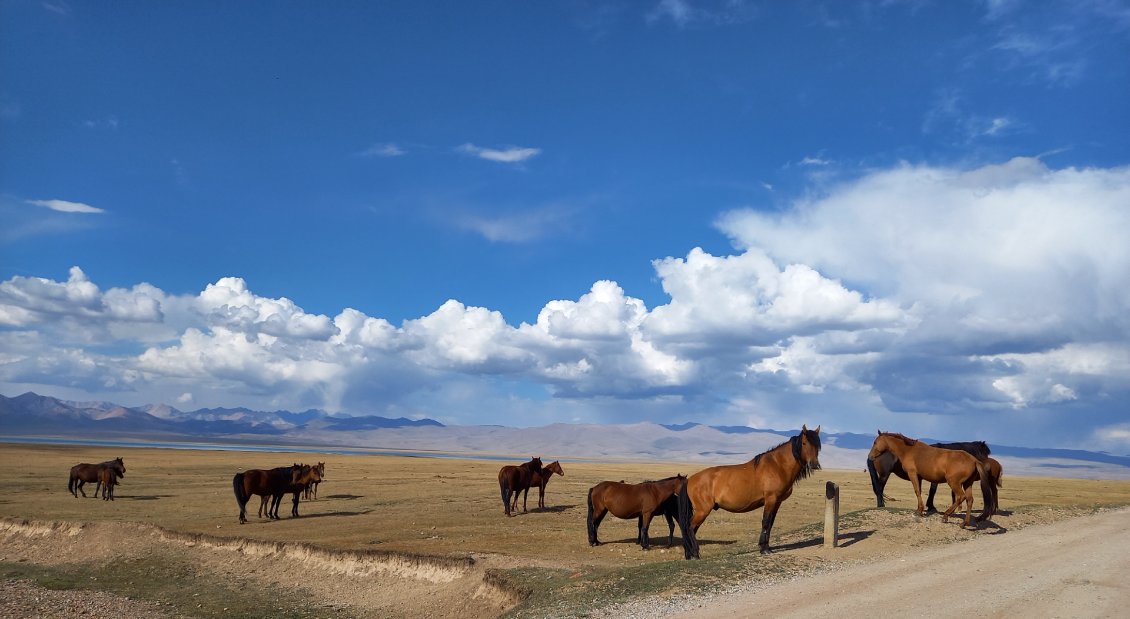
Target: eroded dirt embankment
(364,582)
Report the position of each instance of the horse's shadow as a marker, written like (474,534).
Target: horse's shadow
(343,496)
(556,509)
(143,497)
(337,513)
(845,540)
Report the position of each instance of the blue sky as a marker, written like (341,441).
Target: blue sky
(907,215)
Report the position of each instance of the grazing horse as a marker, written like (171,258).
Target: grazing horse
(83,473)
(263,483)
(765,481)
(311,492)
(881,468)
(107,479)
(935,464)
(641,501)
(513,479)
(541,480)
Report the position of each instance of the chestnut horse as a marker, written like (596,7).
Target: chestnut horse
(640,501)
(881,468)
(514,479)
(935,464)
(541,480)
(311,491)
(83,473)
(107,479)
(765,481)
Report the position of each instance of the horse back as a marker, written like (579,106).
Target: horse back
(737,487)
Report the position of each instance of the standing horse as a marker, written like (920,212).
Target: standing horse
(765,481)
(263,483)
(539,479)
(311,491)
(83,473)
(881,468)
(308,475)
(641,501)
(513,479)
(935,464)
(107,479)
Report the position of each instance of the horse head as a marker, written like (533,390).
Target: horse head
(535,463)
(806,448)
(555,467)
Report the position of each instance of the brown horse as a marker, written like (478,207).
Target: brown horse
(883,466)
(514,479)
(263,483)
(540,479)
(311,492)
(83,473)
(107,479)
(935,464)
(765,481)
(640,501)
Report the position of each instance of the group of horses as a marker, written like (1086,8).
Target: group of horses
(765,482)
(273,484)
(768,479)
(104,475)
(515,480)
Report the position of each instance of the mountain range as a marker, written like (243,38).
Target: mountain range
(33,415)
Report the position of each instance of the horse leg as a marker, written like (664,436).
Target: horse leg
(79,485)
(960,494)
(917,483)
(541,497)
(294,508)
(767,518)
(597,517)
(671,529)
(263,506)
(930,499)
(645,524)
(525,495)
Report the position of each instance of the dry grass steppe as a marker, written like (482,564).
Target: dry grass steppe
(451,508)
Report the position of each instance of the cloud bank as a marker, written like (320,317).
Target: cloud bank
(992,300)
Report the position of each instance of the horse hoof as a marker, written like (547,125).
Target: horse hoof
(766,551)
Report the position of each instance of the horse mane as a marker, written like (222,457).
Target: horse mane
(978,449)
(902,437)
(656,481)
(794,444)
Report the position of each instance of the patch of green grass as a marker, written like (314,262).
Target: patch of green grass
(173,582)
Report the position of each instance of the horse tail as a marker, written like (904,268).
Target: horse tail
(71,483)
(504,488)
(875,486)
(986,490)
(237,485)
(686,516)
(591,526)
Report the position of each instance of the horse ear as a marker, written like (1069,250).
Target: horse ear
(817,430)
(879,432)
(804,427)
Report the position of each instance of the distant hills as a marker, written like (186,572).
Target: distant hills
(33,415)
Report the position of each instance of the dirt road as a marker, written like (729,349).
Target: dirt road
(1075,568)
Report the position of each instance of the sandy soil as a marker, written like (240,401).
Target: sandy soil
(1074,568)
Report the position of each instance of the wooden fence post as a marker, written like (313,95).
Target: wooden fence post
(831,515)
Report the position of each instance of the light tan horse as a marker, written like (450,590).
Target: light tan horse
(765,481)
(937,465)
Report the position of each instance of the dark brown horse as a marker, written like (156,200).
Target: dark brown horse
(307,476)
(640,501)
(935,464)
(765,481)
(270,482)
(83,473)
(107,479)
(514,479)
(540,479)
(881,468)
